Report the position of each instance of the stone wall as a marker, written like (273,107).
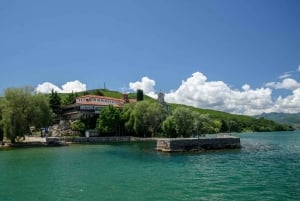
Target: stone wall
(89,139)
(197,144)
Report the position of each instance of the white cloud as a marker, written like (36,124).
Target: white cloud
(75,86)
(288,83)
(289,73)
(68,87)
(146,84)
(46,87)
(285,75)
(246,87)
(198,91)
(289,104)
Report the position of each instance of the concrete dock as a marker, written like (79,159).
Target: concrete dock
(197,144)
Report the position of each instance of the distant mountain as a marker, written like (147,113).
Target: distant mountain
(283,118)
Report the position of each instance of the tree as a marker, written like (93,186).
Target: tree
(78,125)
(184,121)
(139,95)
(127,117)
(98,92)
(41,115)
(148,118)
(199,123)
(157,114)
(70,99)
(16,108)
(55,102)
(168,127)
(1,114)
(22,110)
(143,118)
(224,126)
(234,126)
(109,120)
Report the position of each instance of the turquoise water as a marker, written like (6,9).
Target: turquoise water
(266,168)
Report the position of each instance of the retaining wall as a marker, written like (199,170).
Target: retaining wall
(197,144)
(89,139)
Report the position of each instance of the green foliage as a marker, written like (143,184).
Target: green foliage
(144,118)
(283,118)
(78,125)
(21,109)
(1,117)
(98,92)
(135,119)
(71,98)
(203,124)
(109,120)
(139,95)
(238,123)
(55,102)
(16,109)
(224,126)
(41,114)
(184,120)
(90,122)
(168,127)
(128,117)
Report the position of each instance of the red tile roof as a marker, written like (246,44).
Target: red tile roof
(96,96)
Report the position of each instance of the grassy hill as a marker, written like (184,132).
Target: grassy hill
(237,123)
(104,92)
(283,118)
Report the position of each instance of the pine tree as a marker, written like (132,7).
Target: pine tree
(139,95)
(55,102)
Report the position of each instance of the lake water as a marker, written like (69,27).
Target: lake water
(266,168)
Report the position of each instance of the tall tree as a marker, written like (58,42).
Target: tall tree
(139,95)
(224,126)
(78,126)
(98,92)
(40,114)
(184,121)
(70,99)
(146,118)
(55,102)
(21,110)
(127,116)
(1,115)
(169,126)
(15,119)
(109,120)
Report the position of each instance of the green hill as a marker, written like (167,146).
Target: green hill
(103,92)
(240,123)
(231,122)
(283,118)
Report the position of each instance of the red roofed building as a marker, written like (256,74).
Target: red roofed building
(90,105)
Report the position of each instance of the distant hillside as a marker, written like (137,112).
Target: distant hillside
(232,122)
(283,118)
(104,92)
(241,123)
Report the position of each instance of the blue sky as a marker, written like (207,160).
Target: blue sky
(118,42)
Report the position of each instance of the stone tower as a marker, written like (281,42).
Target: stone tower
(125,98)
(161,98)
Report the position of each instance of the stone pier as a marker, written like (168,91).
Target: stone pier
(197,144)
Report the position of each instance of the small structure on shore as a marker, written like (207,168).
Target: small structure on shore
(197,144)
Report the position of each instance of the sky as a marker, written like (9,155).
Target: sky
(237,56)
